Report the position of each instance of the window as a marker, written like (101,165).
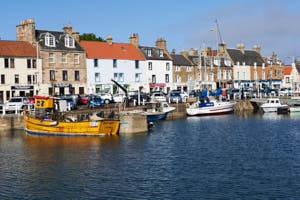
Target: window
(161,53)
(263,75)
(51,58)
(16,78)
(263,66)
(64,58)
(224,75)
(150,66)
(255,65)
(49,40)
(200,76)
(116,76)
(76,58)
(255,75)
(178,79)
(34,63)
(95,62)
(238,63)
(219,74)
(244,75)
(211,76)
(153,79)
(229,75)
(69,41)
(206,76)
(137,77)
(115,63)
(97,77)
(6,63)
(238,75)
(65,75)
(167,78)
(188,68)
(12,63)
(149,53)
(121,77)
(2,78)
(52,75)
(76,74)
(287,80)
(34,78)
(28,63)
(188,78)
(29,79)
(167,66)
(137,64)
(177,68)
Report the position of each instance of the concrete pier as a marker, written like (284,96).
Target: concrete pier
(132,122)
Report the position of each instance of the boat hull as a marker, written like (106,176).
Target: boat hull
(156,116)
(213,110)
(91,128)
(273,108)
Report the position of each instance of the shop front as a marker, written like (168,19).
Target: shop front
(157,87)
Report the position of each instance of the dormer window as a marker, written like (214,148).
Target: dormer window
(161,53)
(49,40)
(149,53)
(69,41)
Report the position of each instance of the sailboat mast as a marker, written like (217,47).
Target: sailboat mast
(218,35)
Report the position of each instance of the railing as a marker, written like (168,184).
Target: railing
(16,111)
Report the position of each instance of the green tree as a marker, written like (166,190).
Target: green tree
(91,37)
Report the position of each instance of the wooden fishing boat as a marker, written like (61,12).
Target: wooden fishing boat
(41,125)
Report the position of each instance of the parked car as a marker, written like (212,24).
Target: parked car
(16,103)
(107,97)
(95,101)
(184,96)
(158,97)
(70,100)
(118,98)
(84,99)
(174,97)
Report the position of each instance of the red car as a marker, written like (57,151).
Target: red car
(84,99)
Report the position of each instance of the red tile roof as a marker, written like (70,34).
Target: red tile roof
(17,49)
(287,70)
(125,51)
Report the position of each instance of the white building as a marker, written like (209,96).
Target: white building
(19,75)
(121,62)
(159,66)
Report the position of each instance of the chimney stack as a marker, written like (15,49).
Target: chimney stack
(134,39)
(68,29)
(109,39)
(75,35)
(241,47)
(222,49)
(274,55)
(184,53)
(161,43)
(26,31)
(173,51)
(257,49)
(193,52)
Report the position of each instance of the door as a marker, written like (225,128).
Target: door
(61,91)
(1,97)
(81,90)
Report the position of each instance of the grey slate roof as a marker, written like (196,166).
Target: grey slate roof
(180,60)
(249,57)
(154,53)
(59,40)
(298,68)
(195,60)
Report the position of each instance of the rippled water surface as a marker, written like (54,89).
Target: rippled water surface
(220,157)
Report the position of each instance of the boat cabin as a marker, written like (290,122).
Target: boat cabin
(42,102)
(205,102)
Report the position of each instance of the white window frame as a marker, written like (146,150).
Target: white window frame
(167,66)
(188,68)
(255,75)
(224,75)
(161,53)
(49,40)
(212,76)
(137,77)
(177,68)
(64,58)
(69,41)
(76,58)
(150,66)
(51,58)
(97,79)
(149,52)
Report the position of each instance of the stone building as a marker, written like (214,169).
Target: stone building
(63,59)
(19,74)
(184,71)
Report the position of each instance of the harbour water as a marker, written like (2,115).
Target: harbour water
(217,157)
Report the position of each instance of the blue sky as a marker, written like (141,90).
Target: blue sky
(274,25)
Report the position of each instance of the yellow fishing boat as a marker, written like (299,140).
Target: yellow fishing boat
(48,126)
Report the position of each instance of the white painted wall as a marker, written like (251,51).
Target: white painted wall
(159,69)
(22,70)
(241,69)
(106,70)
